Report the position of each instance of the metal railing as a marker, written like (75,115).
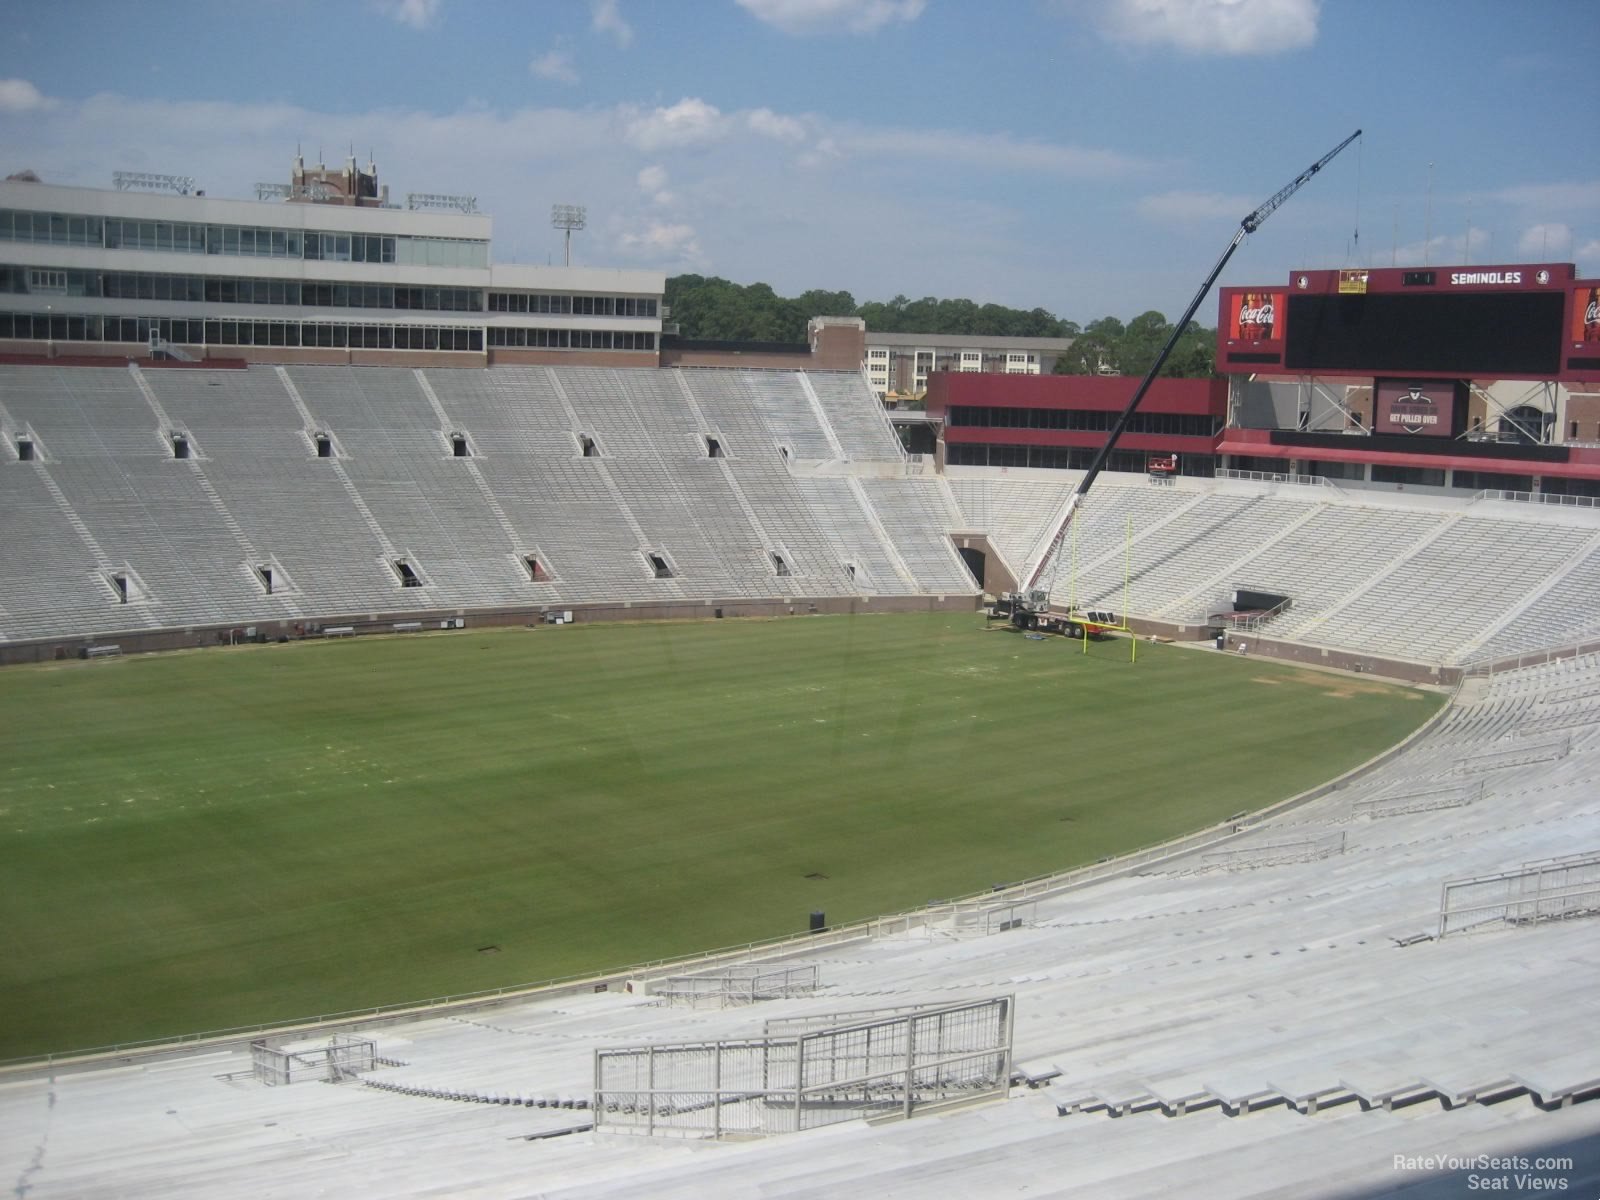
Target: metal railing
(1555,889)
(1537,498)
(1253,622)
(1395,804)
(1274,477)
(890,1066)
(1488,664)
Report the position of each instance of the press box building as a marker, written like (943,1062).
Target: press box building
(322,270)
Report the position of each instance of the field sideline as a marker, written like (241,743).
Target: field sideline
(215,838)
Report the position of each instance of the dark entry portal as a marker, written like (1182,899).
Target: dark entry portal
(975,560)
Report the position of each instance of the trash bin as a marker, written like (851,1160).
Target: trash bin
(1222,640)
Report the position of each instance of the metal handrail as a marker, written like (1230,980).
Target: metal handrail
(1275,477)
(1538,498)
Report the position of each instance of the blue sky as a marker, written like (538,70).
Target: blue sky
(1086,156)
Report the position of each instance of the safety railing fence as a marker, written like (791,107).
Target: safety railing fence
(737,984)
(1554,889)
(888,1066)
(1560,499)
(1277,477)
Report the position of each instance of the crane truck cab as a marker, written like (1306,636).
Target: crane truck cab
(1031,611)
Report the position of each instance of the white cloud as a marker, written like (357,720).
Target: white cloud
(770,124)
(604,17)
(820,155)
(1544,240)
(419,14)
(1180,206)
(652,182)
(554,65)
(689,122)
(1225,27)
(999,152)
(19,96)
(1553,197)
(1587,256)
(660,241)
(803,17)
(1445,249)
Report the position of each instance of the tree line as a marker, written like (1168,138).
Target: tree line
(717,309)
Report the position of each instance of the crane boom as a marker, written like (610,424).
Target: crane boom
(1247,226)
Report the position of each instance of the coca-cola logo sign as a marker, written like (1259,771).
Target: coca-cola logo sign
(1257,316)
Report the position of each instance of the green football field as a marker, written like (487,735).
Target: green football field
(224,837)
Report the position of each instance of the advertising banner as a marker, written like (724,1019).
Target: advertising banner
(1417,406)
(1256,316)
(1586,315)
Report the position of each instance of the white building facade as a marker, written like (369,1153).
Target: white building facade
(104,272)
(898,364)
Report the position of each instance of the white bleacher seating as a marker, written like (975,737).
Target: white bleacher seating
(256,490)
(1426,582)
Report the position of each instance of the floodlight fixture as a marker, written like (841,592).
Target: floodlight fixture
(416,200)
(568,217)
(144,181)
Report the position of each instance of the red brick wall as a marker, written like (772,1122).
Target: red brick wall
(1585,410)
(839,348)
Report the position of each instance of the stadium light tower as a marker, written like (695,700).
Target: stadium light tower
(568,217)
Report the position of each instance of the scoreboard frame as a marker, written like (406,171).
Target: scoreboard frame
(1503,321)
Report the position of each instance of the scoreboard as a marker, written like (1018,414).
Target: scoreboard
(1523,321)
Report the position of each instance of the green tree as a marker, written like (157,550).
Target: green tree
(819,303)
(1142,341)
(714,308)
(1091,353)
(1107,346)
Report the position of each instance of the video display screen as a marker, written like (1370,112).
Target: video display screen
(1482,333)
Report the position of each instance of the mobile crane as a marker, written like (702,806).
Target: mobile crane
(1029,608)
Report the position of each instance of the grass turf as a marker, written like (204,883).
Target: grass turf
(218,838)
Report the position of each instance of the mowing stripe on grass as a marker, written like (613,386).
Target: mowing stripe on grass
(224,837)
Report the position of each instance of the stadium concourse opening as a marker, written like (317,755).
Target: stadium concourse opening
(976,561)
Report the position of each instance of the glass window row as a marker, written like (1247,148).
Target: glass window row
(193,332)
(559,304)
(986,417)
(572,339)
(131,285)
(115,233)
(1066,458)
